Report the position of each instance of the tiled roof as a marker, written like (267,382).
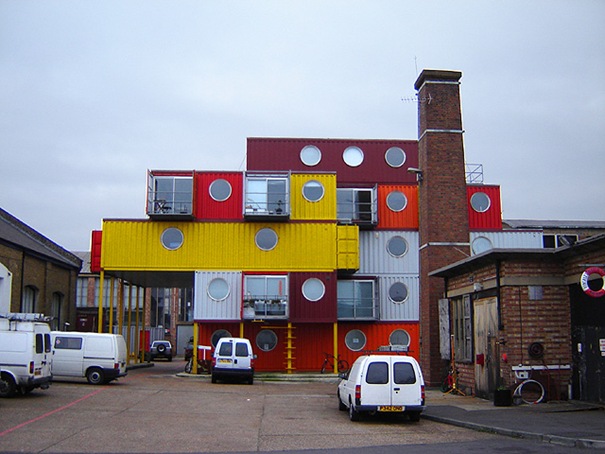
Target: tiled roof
(21,236)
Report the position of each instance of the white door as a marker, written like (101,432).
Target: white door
(68,356)
(486,360)
(406,384)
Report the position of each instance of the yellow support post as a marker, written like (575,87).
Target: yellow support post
(142,351)
(121,307)
(196,336)
(335,346)
(100,312)
(129,323)
(111,295)
(137,339)
(241,329)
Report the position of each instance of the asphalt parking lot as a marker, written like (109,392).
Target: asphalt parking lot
(154,410)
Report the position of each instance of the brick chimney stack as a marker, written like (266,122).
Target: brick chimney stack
(443,216)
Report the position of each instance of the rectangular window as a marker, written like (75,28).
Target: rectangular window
(267,295)
(68,343)
(404,374)
(461,319)
(170,195)
(267,195)
(357,206)
(241,349)
(39,343)
(356,300)
(378,373)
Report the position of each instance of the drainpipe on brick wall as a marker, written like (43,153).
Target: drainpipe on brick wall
(498,296)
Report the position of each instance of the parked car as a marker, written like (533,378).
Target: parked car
(100,358)
(233,358)
(159,349)
(382,383)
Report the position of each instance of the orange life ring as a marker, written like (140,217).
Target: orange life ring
(584,281)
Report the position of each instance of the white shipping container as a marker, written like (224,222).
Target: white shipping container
(484,241)
(217,295)
(389,252)
(399,298)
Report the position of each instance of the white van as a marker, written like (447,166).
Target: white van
(25,353)
(100,358)
(382,384)
(233,357)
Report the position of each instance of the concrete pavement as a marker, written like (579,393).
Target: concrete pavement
(566,423)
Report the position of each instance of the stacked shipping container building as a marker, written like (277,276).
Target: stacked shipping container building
(312,250)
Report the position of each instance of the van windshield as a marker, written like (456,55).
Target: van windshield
(404,374)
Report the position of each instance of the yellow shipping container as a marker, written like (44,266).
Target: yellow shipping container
(302,198)
(138,245)
(348,247)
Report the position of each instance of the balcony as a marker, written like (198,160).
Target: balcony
(267,197)
(357,206)
(170,195)
(269,308)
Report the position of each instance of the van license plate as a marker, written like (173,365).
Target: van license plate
(224,361)
(391,408)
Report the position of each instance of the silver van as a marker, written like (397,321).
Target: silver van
(382,383)
(100,358)
(233,358)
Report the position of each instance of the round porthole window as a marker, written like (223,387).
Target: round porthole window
(266,239)
(353,156)
(480,202)
(355,340)
(219,334)
(218,289)
(266,340)
(398,292)
(310,155)
(397,246)
(220,190)
(172,238)
(313,191)
(396,201)
(399,337)
(481,244)
(313,289)
(395,157)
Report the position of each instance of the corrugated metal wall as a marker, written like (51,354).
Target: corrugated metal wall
(509,239)
(205,207)
(375,259)
(409,310)
(207,308)
(320,311)
(348,247)
(312,340)
(272,154)
(132,245)
(405,219)
(303,209)
(490,219)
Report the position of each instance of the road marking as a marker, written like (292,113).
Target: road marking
(23,424)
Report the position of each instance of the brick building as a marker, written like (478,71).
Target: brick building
(43,274)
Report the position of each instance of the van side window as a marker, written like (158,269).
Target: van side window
(39,343)
(404,374)
(241,349)
(47,343)
(226,349)
(378,373)
(68,343)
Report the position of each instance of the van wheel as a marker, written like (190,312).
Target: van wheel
(95,376)
(353,414)
(213,379)
(414,416)
(251,381)
(341,405)
(26,390)
(8,388)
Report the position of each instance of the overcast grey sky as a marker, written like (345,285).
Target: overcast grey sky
(94,93)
